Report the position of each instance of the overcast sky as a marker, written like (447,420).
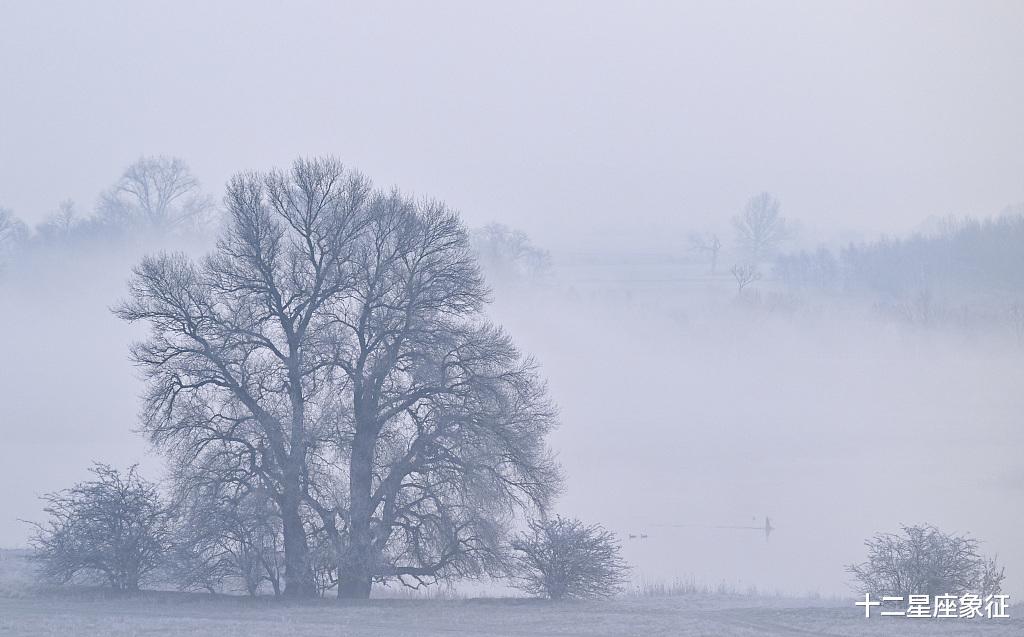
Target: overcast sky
(607,117)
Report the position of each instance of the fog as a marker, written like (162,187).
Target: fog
(833,426)
(681,412)
(608,134)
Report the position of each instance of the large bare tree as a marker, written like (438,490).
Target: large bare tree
(237,363)
(443,437)
(332,353)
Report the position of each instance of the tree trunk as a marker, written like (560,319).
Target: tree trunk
(354,578)
(297,573)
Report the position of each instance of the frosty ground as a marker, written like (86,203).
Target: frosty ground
(60,613)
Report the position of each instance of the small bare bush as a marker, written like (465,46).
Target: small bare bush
(925,561)
(113,528)
(563,558)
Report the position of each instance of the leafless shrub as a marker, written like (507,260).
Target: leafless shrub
(563,558)
(925,561)
(745,275)
(113,528)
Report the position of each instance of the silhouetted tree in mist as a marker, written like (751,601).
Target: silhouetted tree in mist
(709,245)
(12,234)
(157,200)
(332,352)
(157,195)
(760,229)
(60,226)
(508,255)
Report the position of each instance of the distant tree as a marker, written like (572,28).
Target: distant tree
(12,233)
(113,528)
(818,270)
(155,194)
(563,558)
(923,560)
(60,225)
(507,254)
(1015,315)
(745,274)
(759,228)
(960,259)
(708,245)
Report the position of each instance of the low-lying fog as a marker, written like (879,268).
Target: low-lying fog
(679,419)
(682,409)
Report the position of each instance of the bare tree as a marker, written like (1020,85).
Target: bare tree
(759,228)
(447,420)
(925,561)
(113,527)
(507,254)
(709,245)
(333,351)
(239,361)
(12,232)
(60,225)
(158,194)
(564,558)
(745,274)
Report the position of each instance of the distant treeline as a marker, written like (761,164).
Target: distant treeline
(963,260)
(157,203)
(155,199)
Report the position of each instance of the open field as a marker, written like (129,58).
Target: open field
(29,611)
(201,616)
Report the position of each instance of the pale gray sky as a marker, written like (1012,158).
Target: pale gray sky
(549,116)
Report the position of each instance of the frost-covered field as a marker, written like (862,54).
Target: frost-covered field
(197,616)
